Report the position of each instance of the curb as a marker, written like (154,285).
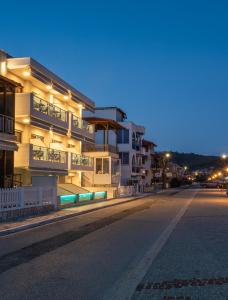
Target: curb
(61,218)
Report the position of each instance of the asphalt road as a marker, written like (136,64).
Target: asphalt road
(168,246)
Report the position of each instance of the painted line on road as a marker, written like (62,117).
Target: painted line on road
(126,286)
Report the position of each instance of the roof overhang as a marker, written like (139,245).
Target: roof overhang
(102,123)
(45,76)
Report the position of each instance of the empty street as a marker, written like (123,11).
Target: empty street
(161,247)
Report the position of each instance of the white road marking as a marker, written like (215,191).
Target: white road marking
(125,287)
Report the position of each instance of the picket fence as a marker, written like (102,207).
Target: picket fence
(25,197)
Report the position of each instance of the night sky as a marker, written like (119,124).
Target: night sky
(164,62)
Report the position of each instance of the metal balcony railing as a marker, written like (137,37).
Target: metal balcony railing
(48,154)
(99,148)
(6,124)
(80,123)
(49,109)
(80,160)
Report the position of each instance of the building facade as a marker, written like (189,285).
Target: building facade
(49,128)
(135,157)
(7,131)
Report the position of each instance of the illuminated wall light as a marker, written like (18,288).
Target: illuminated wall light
(26,121)
(49,87)
(65,97)
(3,68)
(51,99)
(26,73)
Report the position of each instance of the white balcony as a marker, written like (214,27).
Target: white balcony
(31,156)
(30,105)
(81,162)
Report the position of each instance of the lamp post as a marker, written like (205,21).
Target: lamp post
(165,160)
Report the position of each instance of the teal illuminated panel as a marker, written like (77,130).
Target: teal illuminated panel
(67,199)
(100,195)
(86,196)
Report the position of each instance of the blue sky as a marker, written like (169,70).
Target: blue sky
(164,62)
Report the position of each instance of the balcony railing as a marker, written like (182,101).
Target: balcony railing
(80,160)
(49,109)
(48,154)
(99,148)
(6,124)
(136,169)
(79,123)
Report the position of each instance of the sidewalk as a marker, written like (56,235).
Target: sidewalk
(35,221)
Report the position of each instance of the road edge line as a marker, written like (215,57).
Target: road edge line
(129,282)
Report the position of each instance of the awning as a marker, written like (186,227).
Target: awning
(102,123)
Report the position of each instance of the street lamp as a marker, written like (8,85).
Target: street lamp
(167,155)
(164,166)
(224,156)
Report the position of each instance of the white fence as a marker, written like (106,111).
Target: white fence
(25,197)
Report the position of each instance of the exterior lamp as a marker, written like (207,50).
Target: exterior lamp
(27,72)
(49,86)
(26,121)
(65,97)
(224,156)
(167,155)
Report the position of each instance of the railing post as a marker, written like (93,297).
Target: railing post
(40,195)
(21,197)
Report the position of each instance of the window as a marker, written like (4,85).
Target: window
(102,165)
(133,141)
(18,134)
(123,136)
(105,166)
(99,166)
(124,157)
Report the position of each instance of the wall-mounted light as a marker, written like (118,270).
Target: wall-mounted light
(65,97)
(26,121)
(3,68)
(49,86)
(27,72)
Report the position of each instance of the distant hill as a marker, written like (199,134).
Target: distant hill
(197,161)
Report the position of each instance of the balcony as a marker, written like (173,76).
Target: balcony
(30,105)
(81,162)
(137,169)
(6,124)
(32,156)
(99,148)
(80,126)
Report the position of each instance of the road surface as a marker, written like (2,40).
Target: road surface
(167,246)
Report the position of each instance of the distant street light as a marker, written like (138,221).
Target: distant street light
(224,156)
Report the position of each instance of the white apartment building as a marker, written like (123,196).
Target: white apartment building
(148,162)
(134,157)
(49,127)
